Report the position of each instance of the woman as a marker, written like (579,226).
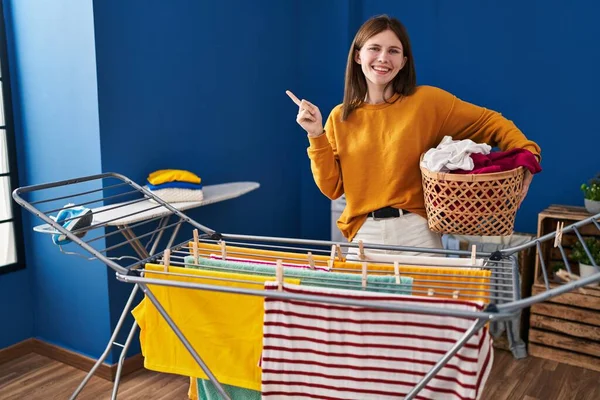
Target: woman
(370,147)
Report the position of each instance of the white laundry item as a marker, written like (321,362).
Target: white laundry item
(423,260)
(177,195)
(451,155)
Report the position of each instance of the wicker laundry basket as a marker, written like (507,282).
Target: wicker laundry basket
(472,204)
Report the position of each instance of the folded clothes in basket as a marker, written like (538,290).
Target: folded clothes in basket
(503,161)
(72,219)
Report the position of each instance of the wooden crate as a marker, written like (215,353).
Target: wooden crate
(547,222)
(565,328)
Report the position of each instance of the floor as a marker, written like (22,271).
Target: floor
(35,377)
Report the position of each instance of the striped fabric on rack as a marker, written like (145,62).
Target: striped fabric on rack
(267,262)
(317,350)
(205,249)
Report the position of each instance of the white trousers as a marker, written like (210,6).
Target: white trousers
(406,230)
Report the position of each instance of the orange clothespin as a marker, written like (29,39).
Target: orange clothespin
(279,275)
(364,275)
(195,247)
(223,250)
(167,259)
(559,233)
(311,260)
(397,272)
(361,250)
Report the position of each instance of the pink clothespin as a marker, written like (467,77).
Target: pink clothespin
(397,272)
(559,233)
(167,259)
(339,252)
(195,247)
(223,250)
(361,250)
(364,275)
(279,275)
(311,260)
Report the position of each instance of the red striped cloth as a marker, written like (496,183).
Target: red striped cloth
(317,350)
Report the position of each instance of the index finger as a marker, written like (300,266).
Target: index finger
(293,97)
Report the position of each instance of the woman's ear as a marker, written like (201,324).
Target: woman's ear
(404,62)
(357,56)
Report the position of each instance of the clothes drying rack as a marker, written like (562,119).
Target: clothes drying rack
(105,243)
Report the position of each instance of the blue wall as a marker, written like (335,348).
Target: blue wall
(200,86)
(143,85)
(16,314)
(56,107)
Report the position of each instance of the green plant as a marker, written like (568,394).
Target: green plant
(557,266)
(591,190)
(578,254)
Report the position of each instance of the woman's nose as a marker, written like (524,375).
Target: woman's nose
(382,57)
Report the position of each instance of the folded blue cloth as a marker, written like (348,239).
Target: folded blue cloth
(337,280)
(175,185)
(72,218)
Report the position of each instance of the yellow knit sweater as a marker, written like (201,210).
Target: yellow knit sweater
(373,156)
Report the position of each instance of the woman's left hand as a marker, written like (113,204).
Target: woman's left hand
(526,182)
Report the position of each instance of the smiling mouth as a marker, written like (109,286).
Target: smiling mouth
(381,70)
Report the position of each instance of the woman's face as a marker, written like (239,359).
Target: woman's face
(381,58)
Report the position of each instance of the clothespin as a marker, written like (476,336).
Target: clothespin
(167,259)
(364,275)
(279,275)
(223,250)
(473,254)
(397,272)
(361,250)
(330,264)
(430,292)
(559,233)
(332,253)
(455,294)
(195,247)
(339,252)
(568,277)
(311,260)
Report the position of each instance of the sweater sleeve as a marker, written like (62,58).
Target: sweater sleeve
(325,163)
(468,121)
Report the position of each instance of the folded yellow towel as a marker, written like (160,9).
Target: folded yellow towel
(172,175)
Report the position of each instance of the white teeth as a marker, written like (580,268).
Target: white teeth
(381,69)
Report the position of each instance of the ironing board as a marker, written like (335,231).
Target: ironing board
(123,215)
